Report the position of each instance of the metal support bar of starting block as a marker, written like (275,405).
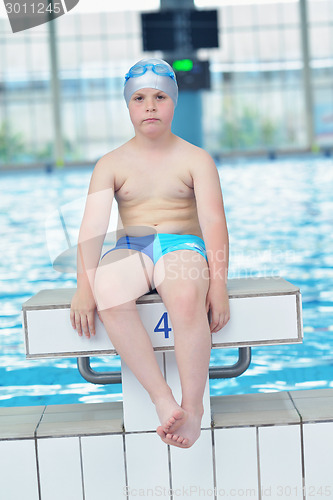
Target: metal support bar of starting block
(89,374)
(241,365)
(95,377)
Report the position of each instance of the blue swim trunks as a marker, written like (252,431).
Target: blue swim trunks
(157,245)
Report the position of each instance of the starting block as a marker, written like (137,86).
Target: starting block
(264,311)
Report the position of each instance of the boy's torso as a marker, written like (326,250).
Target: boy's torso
(157,192)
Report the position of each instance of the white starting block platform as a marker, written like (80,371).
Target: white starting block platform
(264,311)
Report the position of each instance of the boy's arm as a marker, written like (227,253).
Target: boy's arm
(213,225)
(91,237)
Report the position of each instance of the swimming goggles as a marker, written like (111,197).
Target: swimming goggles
(141,69)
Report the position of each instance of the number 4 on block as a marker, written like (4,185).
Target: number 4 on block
(165,326)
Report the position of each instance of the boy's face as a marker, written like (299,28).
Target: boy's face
(151,111)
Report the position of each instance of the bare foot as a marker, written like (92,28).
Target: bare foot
(187,433)
(170,414)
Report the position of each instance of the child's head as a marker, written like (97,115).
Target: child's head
(151,73)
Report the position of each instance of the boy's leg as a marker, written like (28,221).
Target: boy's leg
(120,279)
(184,291)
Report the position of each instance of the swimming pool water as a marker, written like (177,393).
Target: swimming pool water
(280,219)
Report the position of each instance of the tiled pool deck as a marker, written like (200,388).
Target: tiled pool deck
(268,445)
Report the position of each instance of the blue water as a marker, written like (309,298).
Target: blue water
(280,218)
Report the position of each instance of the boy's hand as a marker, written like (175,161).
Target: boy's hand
(217,302)
(83,313)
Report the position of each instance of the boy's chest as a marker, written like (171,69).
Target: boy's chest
(138,184)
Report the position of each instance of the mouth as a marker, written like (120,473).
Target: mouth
(151,120)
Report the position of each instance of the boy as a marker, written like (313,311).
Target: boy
(173,236)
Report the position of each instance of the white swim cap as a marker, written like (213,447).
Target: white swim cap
(152,74)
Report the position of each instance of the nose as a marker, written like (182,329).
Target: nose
(150,104)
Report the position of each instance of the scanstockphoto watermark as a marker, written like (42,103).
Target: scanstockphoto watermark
(267,263)
(195,491)
(26,14)
(189,491)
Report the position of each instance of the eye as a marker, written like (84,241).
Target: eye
(138,98)
(160,97)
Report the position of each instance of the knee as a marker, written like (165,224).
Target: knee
(187,300)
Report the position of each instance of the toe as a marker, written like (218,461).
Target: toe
(173,440)
(169,424)
(174,422)
(160,432)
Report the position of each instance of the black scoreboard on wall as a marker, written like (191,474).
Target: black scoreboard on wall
(172,30)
